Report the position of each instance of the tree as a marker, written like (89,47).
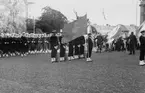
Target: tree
(51,20)
(10,16)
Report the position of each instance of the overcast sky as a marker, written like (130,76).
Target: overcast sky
(116,11)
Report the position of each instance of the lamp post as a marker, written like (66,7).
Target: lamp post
(136,11)
(27,5)
(142,11)
(33,24)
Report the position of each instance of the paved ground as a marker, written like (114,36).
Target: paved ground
(114,72)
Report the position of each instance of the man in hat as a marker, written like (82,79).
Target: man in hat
(142,48)
(89,47)
(88,43)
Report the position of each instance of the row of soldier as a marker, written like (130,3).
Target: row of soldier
(80,47)
(23,44)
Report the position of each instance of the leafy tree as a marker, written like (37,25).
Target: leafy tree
(10,16)
(51,20)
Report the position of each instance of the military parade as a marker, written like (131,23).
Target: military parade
(72,46)
(22,45)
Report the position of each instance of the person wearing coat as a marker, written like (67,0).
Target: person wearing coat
(54,46)
(132,43)
(142,48)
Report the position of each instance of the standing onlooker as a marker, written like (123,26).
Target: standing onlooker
(142,48)
(132,43)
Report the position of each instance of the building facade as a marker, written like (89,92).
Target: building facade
(142,11)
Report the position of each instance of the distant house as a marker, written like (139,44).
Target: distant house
(103,29)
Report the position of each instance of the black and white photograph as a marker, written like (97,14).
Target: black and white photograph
(72,46)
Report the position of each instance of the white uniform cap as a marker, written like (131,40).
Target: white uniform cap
(60,30)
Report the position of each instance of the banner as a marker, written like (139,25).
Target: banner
(75,29)
(80,27)
(67,32)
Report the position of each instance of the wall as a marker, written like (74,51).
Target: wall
(142,11)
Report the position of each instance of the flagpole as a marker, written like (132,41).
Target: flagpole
(136,11)
(58,48)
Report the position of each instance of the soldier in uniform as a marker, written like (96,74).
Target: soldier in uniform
(45,43)
(39,47)
(2,44)
(142,48)
(89,47)
(24,45)
(54,46)
(62,47)
(5,43)
(1,47)
(32,43)
(62,51)
(76,48)
(89,43)
(66,51)
(78,45)
(82,46)
(71,48)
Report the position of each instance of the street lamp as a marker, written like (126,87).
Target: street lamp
(27,5)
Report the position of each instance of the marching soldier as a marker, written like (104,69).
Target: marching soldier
(82,46)
(66,51)
(89,47)
(88,43)
(1,47)
(61,47)
(71,48)
(62,51)
(76,48)
(54,46)
(24,45)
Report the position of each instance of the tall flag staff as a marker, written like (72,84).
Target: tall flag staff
(58,49)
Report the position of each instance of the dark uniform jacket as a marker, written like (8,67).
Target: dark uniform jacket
(142,41)
(53,41)
(132,39)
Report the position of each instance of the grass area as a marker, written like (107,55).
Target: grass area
(114,72)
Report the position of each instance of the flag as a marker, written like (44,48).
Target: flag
(75,29)
(67,32)
(80,27)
